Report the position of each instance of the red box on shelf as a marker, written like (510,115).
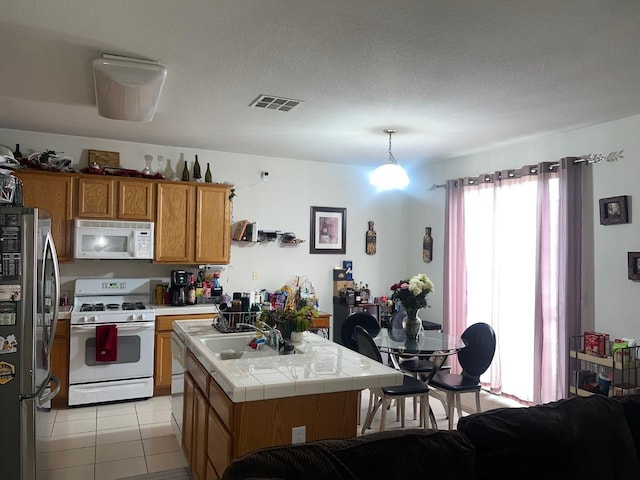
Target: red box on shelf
(596,343)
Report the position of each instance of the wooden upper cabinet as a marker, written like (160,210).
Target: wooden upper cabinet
(136,199)
(116,199)
(213,224)
(175,219)
(193,223)
(96,197)
(53,192)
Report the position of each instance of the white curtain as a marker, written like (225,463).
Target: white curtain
(512,263)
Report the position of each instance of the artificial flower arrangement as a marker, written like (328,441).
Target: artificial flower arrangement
(412,292)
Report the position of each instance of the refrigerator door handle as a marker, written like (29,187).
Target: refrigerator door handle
(44,396)
(51,248)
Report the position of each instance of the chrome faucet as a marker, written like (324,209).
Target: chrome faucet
(272,334)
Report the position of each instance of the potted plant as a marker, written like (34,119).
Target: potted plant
(292,323)
(300,320)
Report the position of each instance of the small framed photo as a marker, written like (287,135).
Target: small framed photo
(633,260)
(328,230)
(614,210)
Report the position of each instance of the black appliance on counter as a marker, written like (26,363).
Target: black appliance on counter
(179,286)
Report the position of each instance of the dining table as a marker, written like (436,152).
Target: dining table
(430,344)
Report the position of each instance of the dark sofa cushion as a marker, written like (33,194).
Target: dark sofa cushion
(631,407)
(387,455)
(581,437)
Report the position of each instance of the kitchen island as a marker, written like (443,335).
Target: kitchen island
(232,407)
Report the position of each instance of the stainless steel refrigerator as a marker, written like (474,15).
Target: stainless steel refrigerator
(29,299)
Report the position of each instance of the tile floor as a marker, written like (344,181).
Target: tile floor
(119,440)
(111,441)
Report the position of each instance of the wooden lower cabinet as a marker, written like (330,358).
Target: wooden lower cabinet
(194,422)
(60,362)
(187,416)
(211,473)
(200,416)
(234,429)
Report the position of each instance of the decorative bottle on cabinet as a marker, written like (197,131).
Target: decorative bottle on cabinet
(427,245)
(207,175)
(196,171)
(185,173)
(17,154)
(371,239)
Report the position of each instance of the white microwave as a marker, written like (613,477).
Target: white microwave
(113,239)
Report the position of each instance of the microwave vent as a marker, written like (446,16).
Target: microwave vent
(114,224)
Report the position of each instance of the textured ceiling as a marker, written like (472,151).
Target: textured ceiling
(451,76)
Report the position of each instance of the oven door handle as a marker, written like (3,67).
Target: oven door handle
(121,326)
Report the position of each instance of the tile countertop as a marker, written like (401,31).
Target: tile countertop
(324,367)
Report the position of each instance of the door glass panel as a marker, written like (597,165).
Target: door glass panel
(128,351)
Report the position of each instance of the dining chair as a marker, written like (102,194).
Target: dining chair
(475,358)
(347,334)
(410,387)
(365,320)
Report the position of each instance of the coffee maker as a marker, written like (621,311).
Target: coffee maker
(179,286)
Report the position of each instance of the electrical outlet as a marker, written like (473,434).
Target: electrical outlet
(299,434)
(256,275)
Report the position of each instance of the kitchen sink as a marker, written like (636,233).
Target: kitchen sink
(232,346)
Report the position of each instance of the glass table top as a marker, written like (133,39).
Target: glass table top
(428,342)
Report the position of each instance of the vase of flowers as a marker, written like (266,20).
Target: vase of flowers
(412,295)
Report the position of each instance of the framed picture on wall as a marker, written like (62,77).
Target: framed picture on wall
(633,260)
(328,230)
(614,210)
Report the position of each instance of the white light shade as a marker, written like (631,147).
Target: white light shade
(127,89)
(389,176)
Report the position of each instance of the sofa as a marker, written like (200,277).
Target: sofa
(594,437)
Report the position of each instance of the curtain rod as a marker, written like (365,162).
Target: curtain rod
(589,158)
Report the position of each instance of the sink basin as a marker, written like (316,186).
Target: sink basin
(230,347)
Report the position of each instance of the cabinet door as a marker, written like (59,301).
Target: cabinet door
(213,224)
(162,377)
(60,362)
(174,223)
(219,444)
(136,200)
(52,192)
(187,417)
(96,197)
(200,432)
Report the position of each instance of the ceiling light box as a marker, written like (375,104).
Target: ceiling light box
(127,88)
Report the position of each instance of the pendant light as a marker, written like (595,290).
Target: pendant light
(390,175)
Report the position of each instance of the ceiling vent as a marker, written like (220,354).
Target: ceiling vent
(127,88)
(271,102)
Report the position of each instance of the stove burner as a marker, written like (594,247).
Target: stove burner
(92,307)
(133,306)
(113,306)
